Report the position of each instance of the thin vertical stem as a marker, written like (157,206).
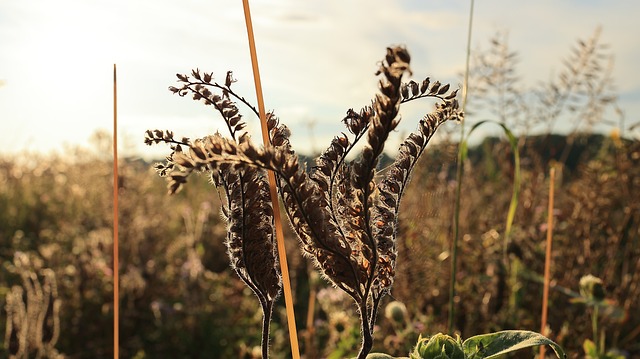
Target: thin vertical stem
(267,311)
(547,260)
(465,85)
(594,328)
(282,253)
(116,280)
(456,218)
(309,344)
(367,335)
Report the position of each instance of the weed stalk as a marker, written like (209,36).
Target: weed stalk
(282,253)
(456,218)
(547,258)
(116,279)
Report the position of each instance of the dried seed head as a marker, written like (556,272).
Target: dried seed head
(344,221)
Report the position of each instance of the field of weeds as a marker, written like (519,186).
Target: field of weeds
(180,299)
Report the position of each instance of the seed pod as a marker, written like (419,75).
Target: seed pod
(404,90)
(414,88)
(425,85)
(434,88)
(443,89)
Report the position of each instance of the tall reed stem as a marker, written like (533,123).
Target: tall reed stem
(282,253)
(547,260)
(456,218)
(116,280)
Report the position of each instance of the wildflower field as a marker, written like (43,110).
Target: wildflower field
(198,270)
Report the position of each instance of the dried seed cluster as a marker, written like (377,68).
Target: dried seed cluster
(33,312)
(247,205)
(345,219)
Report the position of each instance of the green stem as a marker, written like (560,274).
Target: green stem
(594,327)
(459,170)
(454,249)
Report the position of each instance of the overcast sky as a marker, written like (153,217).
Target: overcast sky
(317,59)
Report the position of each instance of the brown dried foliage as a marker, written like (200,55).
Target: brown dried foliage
(344,218)
(33,312)
(247,209)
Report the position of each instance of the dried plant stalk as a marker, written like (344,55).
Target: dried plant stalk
(344,216)
(251,234)
(33,312)
(547,258)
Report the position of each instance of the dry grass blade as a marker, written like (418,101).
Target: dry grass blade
(116,255)
(547,257)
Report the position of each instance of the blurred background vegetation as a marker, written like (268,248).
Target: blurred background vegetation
(179,299)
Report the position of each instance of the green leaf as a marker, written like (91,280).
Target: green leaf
(590,349)
(495,344)
(513,141)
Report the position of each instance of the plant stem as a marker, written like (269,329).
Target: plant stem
(266,321)
(367,336)
(282,253)
(116,256)
(456,218)
(454,249)
(594,327)
(547,262)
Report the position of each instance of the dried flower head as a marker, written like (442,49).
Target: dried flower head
(33,312)
(344,215)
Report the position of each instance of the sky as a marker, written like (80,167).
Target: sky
(317,59)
